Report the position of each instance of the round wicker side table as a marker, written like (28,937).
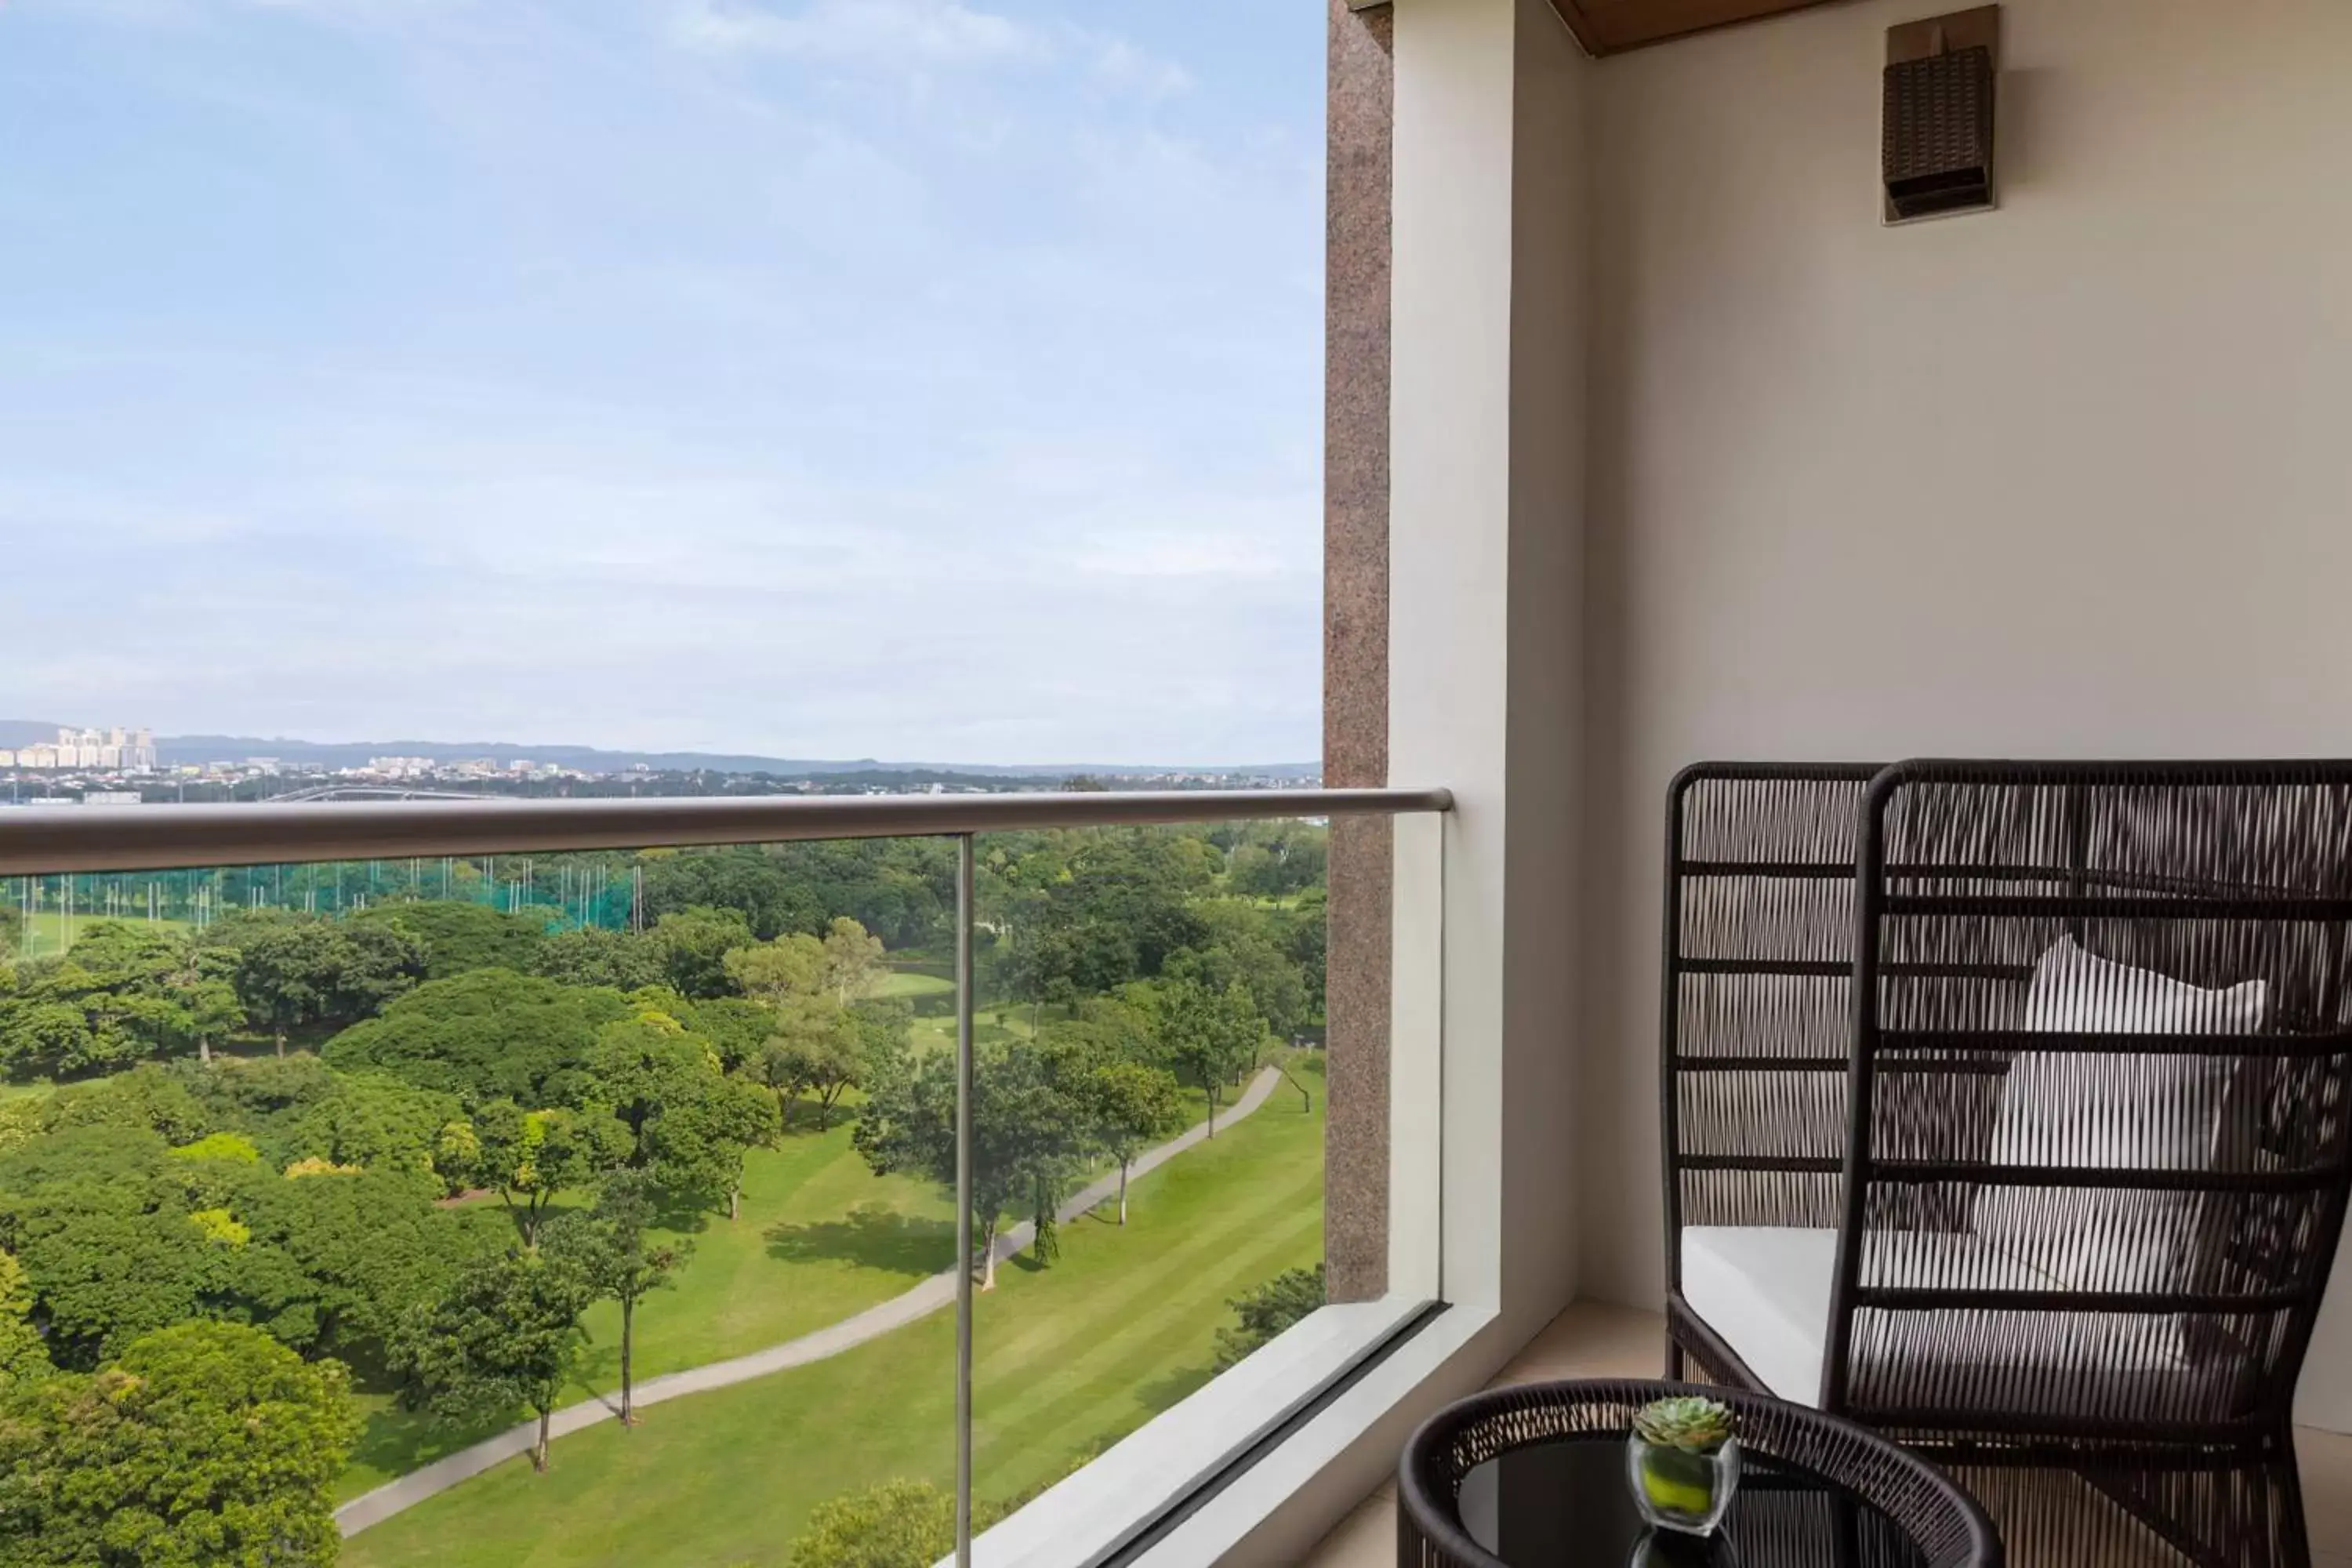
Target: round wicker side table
(1545,1472)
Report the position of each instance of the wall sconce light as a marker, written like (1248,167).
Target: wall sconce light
(1936,122)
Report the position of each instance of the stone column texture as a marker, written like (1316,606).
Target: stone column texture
(1355,648)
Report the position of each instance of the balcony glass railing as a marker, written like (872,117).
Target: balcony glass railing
(387,1159)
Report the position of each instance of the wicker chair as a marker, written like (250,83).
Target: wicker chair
(2006,1112)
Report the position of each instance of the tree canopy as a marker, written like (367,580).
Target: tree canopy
(693,945)
(293,971)
(99,1216)
(1029,1130)
(458,936)
(530,1157)
(506,1335)
(898,1524)
(622,961)
(1267,1310)
(23,1356)
(1210,1036)
(124,994)
(204,1445)
(615,1250)
(488,1035)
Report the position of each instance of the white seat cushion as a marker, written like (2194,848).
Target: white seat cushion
(1766,1290)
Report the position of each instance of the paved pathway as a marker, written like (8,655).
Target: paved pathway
(937,1292)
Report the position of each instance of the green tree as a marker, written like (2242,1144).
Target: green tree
(643,1067)
(1266,1311)
(261,1095)
(507,1333)
(458,936)
(100,1219)
(898,1524)
(1133,1105)
(371,1120)
(285,976)
(1245,945)
(1307,939)
(294,973)
(1209,1036)
(789,969)
(746,880)
(820,1045)
(123,995)
(207,1445)
(147,1097)
(614,1248)
(373,964)
(1101,909)
(693,945)
(688,1123)
(43,1033)
(204,982)
(24,1355)
(781,1068)
(529,1157)
(1277,859)
(1028,1131)
(488,1035)
(235,1148)
(622,961)
(700,1148)
(337,1260)
(737,1028)
(852,961)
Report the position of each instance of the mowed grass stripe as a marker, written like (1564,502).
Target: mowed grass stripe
(735,1297)
(1126,1377)
(1149,1312)
(1081,1352)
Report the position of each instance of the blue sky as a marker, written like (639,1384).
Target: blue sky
(904,378)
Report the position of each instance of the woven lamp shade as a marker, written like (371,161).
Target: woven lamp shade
(1937,131)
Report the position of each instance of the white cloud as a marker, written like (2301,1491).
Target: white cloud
(1171,555)
(883,32)
(1121,67)
(917,35)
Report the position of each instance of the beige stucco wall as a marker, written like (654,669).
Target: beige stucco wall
(2073,478)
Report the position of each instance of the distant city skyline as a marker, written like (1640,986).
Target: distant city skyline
(75,747)
(901,379)
(39,746)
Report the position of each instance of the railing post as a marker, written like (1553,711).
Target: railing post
(964,985)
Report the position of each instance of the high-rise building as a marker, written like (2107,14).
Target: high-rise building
(115,747)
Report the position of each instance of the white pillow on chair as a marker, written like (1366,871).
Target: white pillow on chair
(2145,1111)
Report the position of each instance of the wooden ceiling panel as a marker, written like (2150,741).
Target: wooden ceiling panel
(1609,27)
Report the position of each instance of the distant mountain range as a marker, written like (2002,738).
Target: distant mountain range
(176,749)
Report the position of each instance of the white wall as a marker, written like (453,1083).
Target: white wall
(1487,497)
(2073,478)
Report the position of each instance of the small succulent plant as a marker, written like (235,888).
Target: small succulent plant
(1692,1424)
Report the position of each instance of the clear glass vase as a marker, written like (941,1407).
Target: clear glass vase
(1678,1489)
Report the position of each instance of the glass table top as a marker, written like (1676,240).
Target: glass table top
(1564,1504)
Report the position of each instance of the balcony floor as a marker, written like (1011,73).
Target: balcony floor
(1593,1340)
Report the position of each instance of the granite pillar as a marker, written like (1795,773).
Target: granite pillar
(1356,645)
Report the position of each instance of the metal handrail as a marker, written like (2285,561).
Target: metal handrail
(167,837)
